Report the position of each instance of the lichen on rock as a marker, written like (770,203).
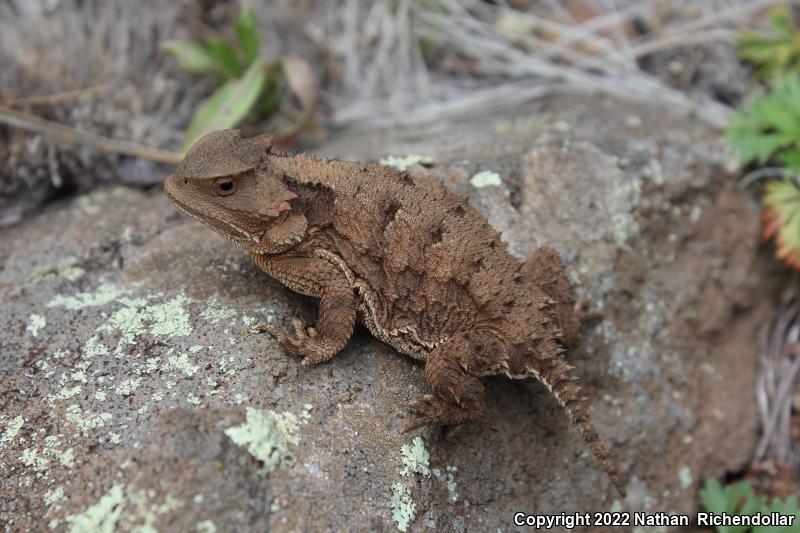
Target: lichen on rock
(262,436)
(415,458)
(403,508)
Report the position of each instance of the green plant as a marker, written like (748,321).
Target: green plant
(248,83)
(776,54)
(781,219)
(769,126)
(739,499)
(768,129)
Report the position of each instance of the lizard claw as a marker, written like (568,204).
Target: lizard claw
(298,326)
(304,343)
(427,407)
(291,344)
(585,316)
(432,410)
(423,404)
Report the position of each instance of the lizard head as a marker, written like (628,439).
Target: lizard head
(228,184)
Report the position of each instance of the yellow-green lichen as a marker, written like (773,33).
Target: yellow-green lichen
(128,321)
(101,517)
(127,387)
(216,312)
(262,435)
(170,319)
(66,267)
(415,458)
(36,323)
(654,171)
(685,477)
(105,293)
(486,178)
(407,161)
(86,420)
(138,316)
(53,449)
(182,364)
(93,348)
(39,460)
(403,508)
(65,393)
(206,526)
(287,424)
(11,430)
(67,457)
(30,457)
(452,487)
(192,399)
(53,496)
(123,508)
(623,227)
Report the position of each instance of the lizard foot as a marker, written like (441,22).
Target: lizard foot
(433,411)
(585,316)
(304,344)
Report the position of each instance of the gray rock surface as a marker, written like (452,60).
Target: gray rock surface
(137,391)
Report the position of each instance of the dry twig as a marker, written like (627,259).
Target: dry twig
(780,364)
(57,98)
(66,134)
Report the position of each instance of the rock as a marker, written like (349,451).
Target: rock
(137,389)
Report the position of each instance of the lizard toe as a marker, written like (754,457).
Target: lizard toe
(418,422)
(298,326)
(314,351)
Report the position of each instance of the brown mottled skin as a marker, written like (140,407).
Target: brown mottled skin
(421,269)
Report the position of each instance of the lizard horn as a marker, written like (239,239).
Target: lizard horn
(555,375)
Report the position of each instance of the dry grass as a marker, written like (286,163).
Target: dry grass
(484,51)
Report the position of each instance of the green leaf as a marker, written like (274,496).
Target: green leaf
(713,497)
(787,507)
(791,159)
(739,499)
(192,56)
(247,36)
(775,54)
(782,203)
(229,104)
(769,126)
(225,55)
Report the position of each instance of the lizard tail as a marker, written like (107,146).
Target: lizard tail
(555,375)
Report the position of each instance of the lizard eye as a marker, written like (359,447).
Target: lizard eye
(224,187)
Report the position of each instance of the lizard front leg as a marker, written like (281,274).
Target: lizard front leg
(318,278)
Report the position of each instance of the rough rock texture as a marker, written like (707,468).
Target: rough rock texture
(137,391)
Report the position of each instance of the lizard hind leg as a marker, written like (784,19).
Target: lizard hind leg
(555,375)
(458,395)
(545,269)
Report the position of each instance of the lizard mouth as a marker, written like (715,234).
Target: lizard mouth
(223,227)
